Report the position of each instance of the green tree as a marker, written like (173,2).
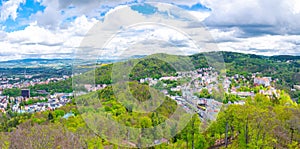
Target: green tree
(204,93)
(50,116)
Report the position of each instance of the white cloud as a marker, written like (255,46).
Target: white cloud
(230,34)
(269,27)
(295,6)
(38,41)
(9,9)
(262,45)
(50,17)
(230,23)
(177,2)
(283,16)
(200,15)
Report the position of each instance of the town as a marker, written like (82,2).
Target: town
(195,91)
(27,104)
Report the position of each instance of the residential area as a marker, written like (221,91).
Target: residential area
(194,90)
(202,91)
(27,104)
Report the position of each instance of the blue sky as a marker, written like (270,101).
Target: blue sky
(24,12)
(50,28)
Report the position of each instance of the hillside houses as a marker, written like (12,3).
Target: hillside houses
(270,92)
(91,88)
(266,81)
(243,94)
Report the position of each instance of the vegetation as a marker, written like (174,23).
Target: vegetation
(54,87)
(30,102)
(14,92)
(263,122)
(204,93)
(159,65)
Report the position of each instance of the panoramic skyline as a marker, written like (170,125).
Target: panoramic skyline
(53,28)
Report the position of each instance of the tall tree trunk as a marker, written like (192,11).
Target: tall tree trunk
(246,133)
(226,135)
(193,133)
(292,135)
(187,140)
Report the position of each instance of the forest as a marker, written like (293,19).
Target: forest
(263,122)
(284,68)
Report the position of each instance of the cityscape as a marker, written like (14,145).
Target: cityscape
(188,94)
(141,74)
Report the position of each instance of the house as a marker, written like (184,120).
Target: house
(245,94)
(165,92)
(270,92)
(240,102)
(297,87)
(177,89)
(169,78)
(163,140)
(142,80)
(266,81)
(202,102)
(42,92)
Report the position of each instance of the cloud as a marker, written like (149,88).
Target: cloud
(35,40)
(50,17)
(9,9)
(269,27)
(263,45)
(60,13)
(188,3)
(226,35)
(253,26)
(270,16)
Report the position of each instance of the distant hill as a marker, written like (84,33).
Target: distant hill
(285,57)
(288,73)
(33,60)
(33,63)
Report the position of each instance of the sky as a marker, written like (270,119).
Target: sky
(55,28)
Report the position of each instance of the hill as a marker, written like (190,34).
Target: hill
(285,68)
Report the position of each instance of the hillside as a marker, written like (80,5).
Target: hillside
(258,124)
(284,68)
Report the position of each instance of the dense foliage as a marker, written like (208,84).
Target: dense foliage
(54,87)
(263,122)
(14,92)
(284,68)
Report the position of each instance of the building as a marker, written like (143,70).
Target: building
(266,81)
(25,93)
(297,87)
(202,102)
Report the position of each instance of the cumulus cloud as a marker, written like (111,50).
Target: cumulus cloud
(252,26)
(269,27)
(229,40)
(35,40)
(9,9)
(58,13)
(50,17)
(270,16)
